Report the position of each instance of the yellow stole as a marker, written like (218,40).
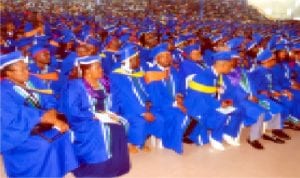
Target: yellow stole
(123,72)
(205,88)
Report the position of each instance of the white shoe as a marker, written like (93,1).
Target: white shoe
(216,145)
(160,144)
(230,140)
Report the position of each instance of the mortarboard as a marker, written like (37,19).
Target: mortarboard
(264,55)
(10,58)
(34,50)
(158,49)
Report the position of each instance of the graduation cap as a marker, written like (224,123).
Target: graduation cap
(89,60)
(251,45)
(264,55)
(257,37)
(68,36)
(180,40)
(23,42)
(296,47)
(158,49)
(191,48)
(128,52)
(235,43)
(281,47)
(34,50)
(217,38)
(223,56)
(68,64)
(108,40)
(93,41)
(10,58)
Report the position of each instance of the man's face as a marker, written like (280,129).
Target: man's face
(195,55)
(81,51)
(134,62)
(164,59)
(43,57)
(269,63)
(115,43)
(18,72)
(282,55)
(96,70)
(223,66)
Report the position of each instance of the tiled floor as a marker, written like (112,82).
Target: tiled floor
(275,161)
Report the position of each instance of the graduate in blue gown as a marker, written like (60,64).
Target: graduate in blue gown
(43,65)
(166,92)
(253,114)
(25,106)
(295,81)
(101,146)
(206,93)
(283,70)
(131,100)
(109,60)
(193,64)
(266,95)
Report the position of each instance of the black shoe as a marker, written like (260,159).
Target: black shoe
(256,144)
(273,138)
(187,140)
(281,134)
(292,126)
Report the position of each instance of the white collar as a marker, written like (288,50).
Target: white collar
(214,71)
(160,67)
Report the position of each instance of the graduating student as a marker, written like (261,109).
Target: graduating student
(206,97)
(166,92)
(265,94)
(29,145)
(193,64)
(295,84)
(254,115)
(42,65)
(101,146)
(111,47)
(131,100)
(282,83)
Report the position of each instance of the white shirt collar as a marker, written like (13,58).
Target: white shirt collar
(214,71)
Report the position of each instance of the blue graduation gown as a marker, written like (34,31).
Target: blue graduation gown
(89,144)
(109,62)
(175,122)
(101,148)
(27,155)
(189,67)
(127,102)
(145,57)
(52,67)
(202,106)
(262,80)
(239,93)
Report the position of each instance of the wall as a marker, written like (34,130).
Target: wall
(278,9)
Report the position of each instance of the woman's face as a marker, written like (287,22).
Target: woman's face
(18,72)
(43,57)
(195,55)
(96,70)
(164,59)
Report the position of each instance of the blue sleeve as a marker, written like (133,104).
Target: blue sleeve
(17,121)
(75,103)
(115,95)
(180,84)
(258,82)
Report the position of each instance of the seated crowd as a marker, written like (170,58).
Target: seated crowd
(78,95)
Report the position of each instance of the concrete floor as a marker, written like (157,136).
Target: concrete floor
(280,161)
